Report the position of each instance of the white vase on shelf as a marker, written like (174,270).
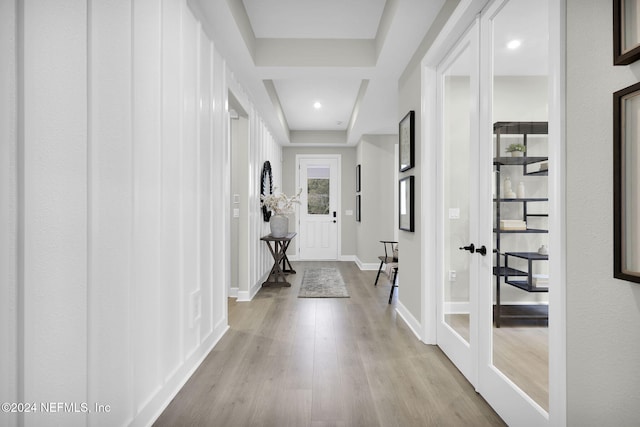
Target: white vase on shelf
(279,225)
(520,191)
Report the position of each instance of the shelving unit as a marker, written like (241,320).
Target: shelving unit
(517,278)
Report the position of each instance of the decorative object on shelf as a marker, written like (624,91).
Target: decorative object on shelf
(512,224)
(266,188)
(508,191)
(405,205)
(516,150)
(358,179)
(520,191)
(626,192)
(542,250)
(358,219)
(280,204)
(626,39)
(406,134)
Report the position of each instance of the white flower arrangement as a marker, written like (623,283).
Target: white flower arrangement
(280,203)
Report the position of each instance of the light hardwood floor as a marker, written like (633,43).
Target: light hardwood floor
(289,361)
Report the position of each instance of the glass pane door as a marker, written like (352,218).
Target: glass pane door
(457,77)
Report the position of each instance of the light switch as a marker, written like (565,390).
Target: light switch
(348,212)
(236,213)
(454,213)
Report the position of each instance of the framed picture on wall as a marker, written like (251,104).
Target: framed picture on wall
(406,135)
(626,175)
(358,179)
(626,31)
(405,204)
(358,208)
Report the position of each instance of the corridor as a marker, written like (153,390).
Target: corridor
(289,361)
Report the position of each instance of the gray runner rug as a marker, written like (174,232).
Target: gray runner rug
(322,283)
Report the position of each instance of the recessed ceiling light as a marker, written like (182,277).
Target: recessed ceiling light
(317,105)
(514,44)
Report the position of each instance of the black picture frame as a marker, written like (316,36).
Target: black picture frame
(625,51)
(406,141)
(358,179)
(626,192)
(406,202)
(358,218)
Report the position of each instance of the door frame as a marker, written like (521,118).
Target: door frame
(337,157)
(461,18)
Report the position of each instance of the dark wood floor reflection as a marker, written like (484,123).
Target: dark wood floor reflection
(289,361)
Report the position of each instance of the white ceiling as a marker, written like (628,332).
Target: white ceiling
(346,54)
(314,19)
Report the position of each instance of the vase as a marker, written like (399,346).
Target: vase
(521,190)
(517,154)
(279,225)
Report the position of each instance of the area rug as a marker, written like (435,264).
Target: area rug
(322,283)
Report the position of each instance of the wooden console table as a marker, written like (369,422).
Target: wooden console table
(281,265)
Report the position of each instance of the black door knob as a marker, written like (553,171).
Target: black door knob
(471,248)
(482,250)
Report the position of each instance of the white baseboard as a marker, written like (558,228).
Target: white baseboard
(351,258)
(233,292)
(366,265)
(243,296)
(158,403)
(408,318)
(456,308)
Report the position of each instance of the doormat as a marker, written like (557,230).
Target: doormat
(323,283)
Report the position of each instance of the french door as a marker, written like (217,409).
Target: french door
(480,80)
(458,213)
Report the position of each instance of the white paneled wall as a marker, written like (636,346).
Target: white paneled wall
(262,147)
(117,205)
(8,212)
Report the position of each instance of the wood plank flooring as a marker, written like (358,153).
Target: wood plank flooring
(289,361)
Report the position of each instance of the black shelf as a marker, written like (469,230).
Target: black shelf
(527,231)
(528,255)
(526,199)
(518,161)
(524,285)
(517,278)
(508,271)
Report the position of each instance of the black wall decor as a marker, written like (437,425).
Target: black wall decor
(407,143)
(626,40)
(626,192)
(266,187)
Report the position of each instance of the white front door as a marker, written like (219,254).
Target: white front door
(318,227)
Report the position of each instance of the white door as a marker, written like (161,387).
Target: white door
(458,186)
(513,94)
(319,212)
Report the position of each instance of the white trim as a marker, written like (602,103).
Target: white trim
(244,296)
(557,216)
(366,265)
(233,292)
(156,406)
(456,307)
(347,258)
(410,321)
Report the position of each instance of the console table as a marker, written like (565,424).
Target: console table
(281,265)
